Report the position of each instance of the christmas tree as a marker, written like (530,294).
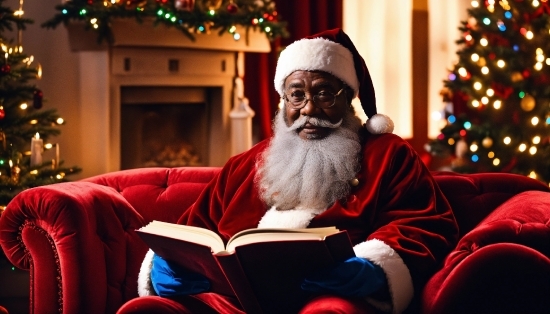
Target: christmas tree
(25,128)
(497,96)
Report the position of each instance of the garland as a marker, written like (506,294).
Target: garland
(189,16)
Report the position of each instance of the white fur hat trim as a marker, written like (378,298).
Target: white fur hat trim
(379,123)
(316,54)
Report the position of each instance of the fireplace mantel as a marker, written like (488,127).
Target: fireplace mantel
(129,33)
(143,55)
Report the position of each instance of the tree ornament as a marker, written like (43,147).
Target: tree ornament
(2,113)
(232,7)
(487,142)
(528,103)
(516,77)
(185,5)
(37,99)
(5,69)
(212,4)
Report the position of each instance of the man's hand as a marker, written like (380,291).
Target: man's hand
(356,277)
(169,279)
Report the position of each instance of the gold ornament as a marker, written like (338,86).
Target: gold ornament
(528,103)
(516,77)
(482,62)
(211,4)
(354,182)
(487,142)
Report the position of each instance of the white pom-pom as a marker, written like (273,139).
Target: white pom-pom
(379,123)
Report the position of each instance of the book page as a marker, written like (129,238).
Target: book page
(186,233)
(277,234)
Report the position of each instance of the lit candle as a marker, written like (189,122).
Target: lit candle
(37,146)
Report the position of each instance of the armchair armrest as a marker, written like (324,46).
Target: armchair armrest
(77,240)
(501,266)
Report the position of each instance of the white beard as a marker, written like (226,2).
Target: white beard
(314,173)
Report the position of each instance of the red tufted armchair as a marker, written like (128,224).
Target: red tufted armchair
(77,240)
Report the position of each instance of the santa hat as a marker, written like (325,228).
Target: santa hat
(332,51)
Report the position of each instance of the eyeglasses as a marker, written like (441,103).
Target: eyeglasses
(324,99)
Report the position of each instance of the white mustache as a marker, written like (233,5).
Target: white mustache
(303,120)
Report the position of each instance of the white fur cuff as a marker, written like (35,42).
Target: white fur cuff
(145,287)
(398,275)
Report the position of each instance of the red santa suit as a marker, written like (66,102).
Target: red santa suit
(396,216)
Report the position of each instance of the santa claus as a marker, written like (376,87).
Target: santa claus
(322,167)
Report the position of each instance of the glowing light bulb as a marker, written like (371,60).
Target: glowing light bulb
(475,57)
(501,63)
(533,175)
(491,155)
(536,140)
(497,104)
(484,42)
(474,147)
(477,86)
(484,100)
(534,120)
(538,66)
(485,70)
(522,147)
(60,120)
(507,140)
(451,141)
(532,150)
(475,4)
(24,106)
(475,103)
(496,162)
(462,72)
(490,92)
(529,35)
(535,3)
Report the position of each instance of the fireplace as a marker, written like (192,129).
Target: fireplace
(156,98)
(164,126)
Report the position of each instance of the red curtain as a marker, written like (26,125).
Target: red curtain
(304,17)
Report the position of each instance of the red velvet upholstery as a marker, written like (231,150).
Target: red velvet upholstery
(77,240)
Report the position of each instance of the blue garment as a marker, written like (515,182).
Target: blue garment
(168,279)
(356,277)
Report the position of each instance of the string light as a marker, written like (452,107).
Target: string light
(507,140)
(485,70)
(532,150)
(497,104)
(534,120)
(496,162)
(522,147)
(474,147)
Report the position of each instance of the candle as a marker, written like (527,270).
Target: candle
(37,146)
(57,155)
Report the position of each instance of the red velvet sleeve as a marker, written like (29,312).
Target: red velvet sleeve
(413,217)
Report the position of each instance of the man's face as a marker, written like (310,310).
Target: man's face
(311,83)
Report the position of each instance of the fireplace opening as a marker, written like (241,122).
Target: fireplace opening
(164,127)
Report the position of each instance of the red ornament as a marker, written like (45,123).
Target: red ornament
(5,69)
(184,5)
(37,99)
(232,8)
(2,113)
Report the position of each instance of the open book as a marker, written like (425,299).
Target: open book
(263,268)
